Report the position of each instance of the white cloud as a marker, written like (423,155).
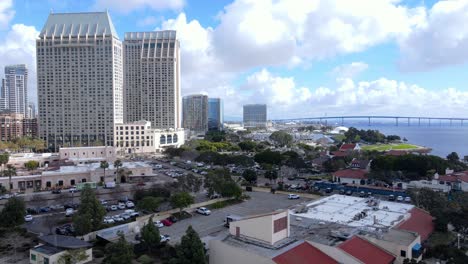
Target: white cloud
(19,47)
(442,40)
(286,99)
(349,70)
(127,6)
(6,13)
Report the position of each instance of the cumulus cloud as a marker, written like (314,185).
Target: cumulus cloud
(6,13)
(286,99)
(349,70)
(126,6)
(442,40)
(19,47)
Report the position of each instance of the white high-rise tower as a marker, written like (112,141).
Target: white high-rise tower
(79,80)
(152,78)
(14,93)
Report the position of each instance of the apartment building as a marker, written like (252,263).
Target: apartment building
(152,78)
(195,112)
(14,93)
(79,80)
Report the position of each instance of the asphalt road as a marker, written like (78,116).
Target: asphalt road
(259,203)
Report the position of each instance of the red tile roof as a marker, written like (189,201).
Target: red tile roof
(304,253)
(345,147)
(340,153)
(447,178)
(351,173)
(366,251)
(420,222)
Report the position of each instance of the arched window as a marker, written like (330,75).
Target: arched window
(174,138)
(169,139)
(162,140)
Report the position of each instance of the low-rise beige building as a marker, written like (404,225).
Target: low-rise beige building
(67,176)
(53,247)
(79,155)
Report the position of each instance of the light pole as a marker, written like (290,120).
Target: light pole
(458,240)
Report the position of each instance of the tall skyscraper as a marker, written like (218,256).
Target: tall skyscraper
(31,110)
(79,79)
(215,114)
(195,112)
(152,78)
(14,93)
(255,115)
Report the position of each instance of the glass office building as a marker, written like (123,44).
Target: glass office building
(215,114)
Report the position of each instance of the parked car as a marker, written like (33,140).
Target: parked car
(125,216)
(362,194)
(400,198)
(73,189)
(408,199)
(32,211)
(113,207)
(121,206)
(328,190)
(28,218)
(391,197)
(342,191)
(57,191)
(203,211)
(158,224)
(118,218)
(45,209)
(69,212)
(165,238)
(173,219)
(108,220)
(349,192)
(166,222)
(103,202)
(130,204)
(293,196)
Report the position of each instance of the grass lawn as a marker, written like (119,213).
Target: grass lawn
(385,147)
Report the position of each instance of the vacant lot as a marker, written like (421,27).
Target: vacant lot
(385,147)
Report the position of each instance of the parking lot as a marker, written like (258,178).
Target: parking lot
(260,202)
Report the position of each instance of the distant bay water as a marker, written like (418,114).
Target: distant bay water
(442,138)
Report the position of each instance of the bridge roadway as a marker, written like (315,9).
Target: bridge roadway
(369,118)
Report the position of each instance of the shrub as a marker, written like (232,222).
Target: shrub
(145,259)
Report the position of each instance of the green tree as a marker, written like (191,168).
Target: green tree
(73,256)
(247,145)
(9,172)
(190,250)
(272,175)
(120,252)
(31,165)
(453,157)
(150,236)
(268,156)
(230,189)
(181,200)
(281,138)
(104,165)
(189,183)
(149,203)
(13,212)
(4,158)
(249,175)
(90,213)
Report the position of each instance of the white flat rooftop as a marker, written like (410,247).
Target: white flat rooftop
(81,168)
(342,209)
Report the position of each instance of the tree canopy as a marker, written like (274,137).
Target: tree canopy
(181,200)
(150,236)
(249,175)
(90,212)
(120,252)
(31,165)
(190,250)
(13,212)
(149,203)
(281,138)
(269,157)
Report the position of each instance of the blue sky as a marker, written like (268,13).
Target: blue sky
(301,57)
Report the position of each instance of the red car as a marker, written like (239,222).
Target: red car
(166,222)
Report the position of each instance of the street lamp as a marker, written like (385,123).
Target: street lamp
(458,240)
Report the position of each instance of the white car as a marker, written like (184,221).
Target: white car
(103,202)
(408,199)
(69,212)
(121,206)
(293,196)
(130,204)
(72,189)
(108,220)
(158,224)
(203,211)
(125,216)
(118,218)
(399,198)
(165,238)
(113,208)
(28,218)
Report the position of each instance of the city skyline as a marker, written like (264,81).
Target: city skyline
(349,61)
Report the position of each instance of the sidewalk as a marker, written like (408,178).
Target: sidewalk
(306,195)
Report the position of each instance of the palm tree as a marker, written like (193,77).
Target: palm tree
(4,158)
(104,165)
(9,172)
(117,165)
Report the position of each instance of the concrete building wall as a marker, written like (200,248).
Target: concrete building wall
(82,154)
(396,248)
(258,228)
(222,253)
(284,233)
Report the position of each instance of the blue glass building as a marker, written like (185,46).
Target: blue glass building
(215,114)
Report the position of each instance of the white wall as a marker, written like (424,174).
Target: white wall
(222,253)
